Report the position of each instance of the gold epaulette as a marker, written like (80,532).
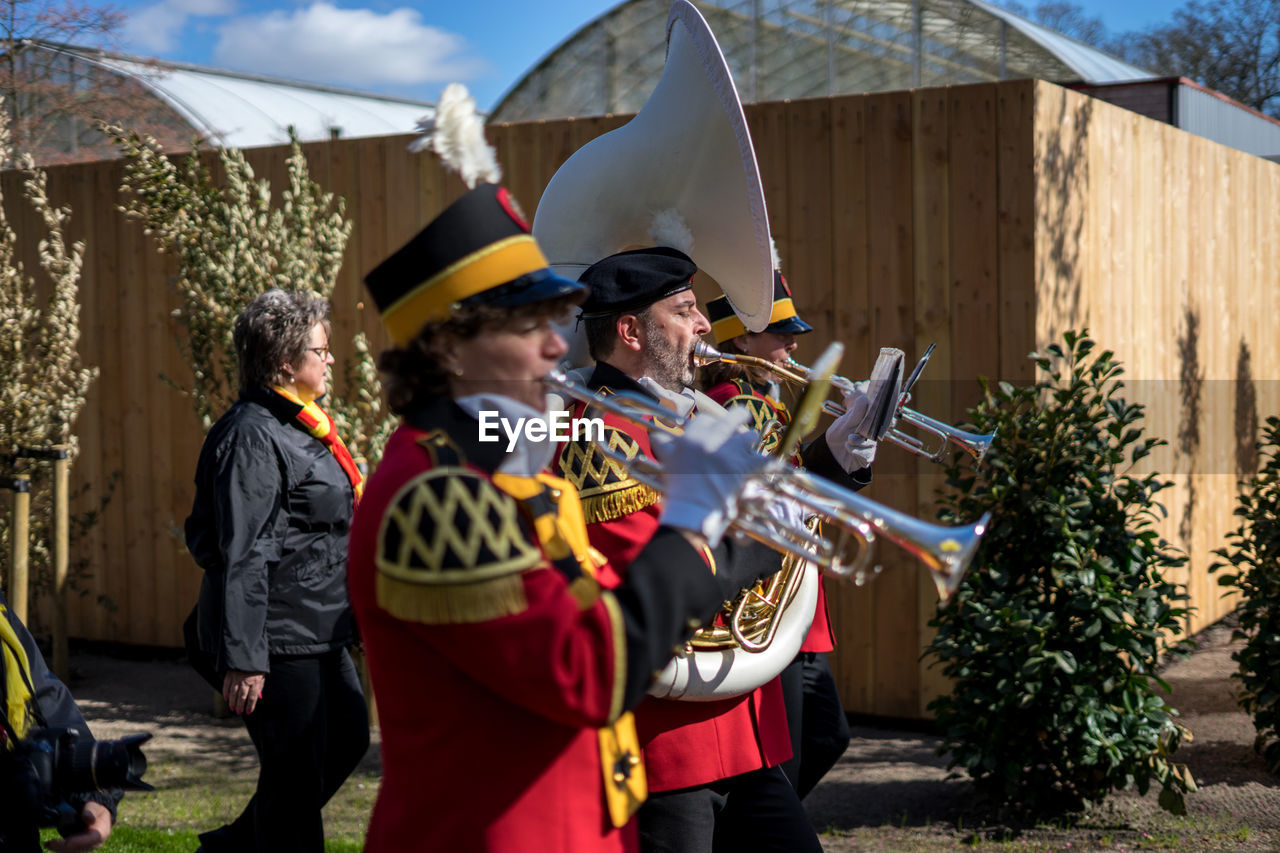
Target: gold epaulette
(451,550)
(606,487)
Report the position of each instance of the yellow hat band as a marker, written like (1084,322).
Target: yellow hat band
(731,326)
(495,264)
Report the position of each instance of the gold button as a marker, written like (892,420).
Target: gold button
(633,760)
(555,494)
(619,778)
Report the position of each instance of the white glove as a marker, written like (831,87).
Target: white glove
(851,450)
(787,513)
(704,471)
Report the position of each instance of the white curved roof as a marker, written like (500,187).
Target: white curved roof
(242,111)
(1091,64)
(779,49)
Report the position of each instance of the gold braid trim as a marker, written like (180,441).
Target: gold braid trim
(612,505)
(455,603)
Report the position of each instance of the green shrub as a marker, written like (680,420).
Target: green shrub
(1253,558)
(1053,638)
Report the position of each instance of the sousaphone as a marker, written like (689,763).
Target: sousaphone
(688,151)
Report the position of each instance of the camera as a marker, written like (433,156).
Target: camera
(49,765)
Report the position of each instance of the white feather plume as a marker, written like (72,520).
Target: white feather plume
(456,133)
(773,254)
(669,229)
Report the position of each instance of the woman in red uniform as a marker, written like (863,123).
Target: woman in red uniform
(502,670)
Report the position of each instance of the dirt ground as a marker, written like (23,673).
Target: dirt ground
(889,792)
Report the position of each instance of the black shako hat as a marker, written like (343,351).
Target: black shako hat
(630,281)
(478,250)
(783,319)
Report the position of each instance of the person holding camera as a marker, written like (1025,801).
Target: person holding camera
(33,699)
(275,493)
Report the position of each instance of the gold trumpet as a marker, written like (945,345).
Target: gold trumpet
(974,444)
(946,551)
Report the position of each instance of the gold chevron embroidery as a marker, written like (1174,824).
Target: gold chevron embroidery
(451,549)
(591,472)
(761,414)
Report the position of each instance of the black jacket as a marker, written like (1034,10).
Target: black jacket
(269,527)
(53,708)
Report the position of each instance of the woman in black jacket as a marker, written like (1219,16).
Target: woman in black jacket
(275,491)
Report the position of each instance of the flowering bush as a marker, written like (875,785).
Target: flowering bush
(231,245)
(43,382)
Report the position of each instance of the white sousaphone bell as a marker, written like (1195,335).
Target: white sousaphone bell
(687,150)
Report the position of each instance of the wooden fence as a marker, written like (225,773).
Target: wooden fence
(986,219)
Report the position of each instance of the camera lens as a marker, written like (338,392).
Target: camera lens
(97,764)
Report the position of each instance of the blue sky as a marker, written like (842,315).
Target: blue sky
(410,48)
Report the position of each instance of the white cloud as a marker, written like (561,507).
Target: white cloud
(353,47)
(155,28)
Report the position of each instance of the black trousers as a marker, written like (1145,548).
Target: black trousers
(310,729)
(819,727)
(756,812)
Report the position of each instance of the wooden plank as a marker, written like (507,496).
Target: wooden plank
(1016,228)
(767,124)
(554,146)
(186,437)
(516,146)
(368,204)
(890,260)
(86,472)
(974,228)
(344,170)
(151,581)
(852,609)
(808,267)
(1062,181)
(132,376)
(931,224)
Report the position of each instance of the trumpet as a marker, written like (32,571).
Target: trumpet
(858,521)
(946,436)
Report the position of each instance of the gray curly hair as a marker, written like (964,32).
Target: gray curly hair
(274,329)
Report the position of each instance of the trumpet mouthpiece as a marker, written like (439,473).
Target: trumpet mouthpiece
(704,354)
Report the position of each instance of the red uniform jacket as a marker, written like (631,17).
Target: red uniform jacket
(499,664)
(685,744)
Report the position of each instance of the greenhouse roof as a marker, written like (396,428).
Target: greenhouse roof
(243,110)
(780,49)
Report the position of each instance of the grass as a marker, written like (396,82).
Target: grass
(194,796)
(137,839)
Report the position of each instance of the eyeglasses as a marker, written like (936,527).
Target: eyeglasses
(323,352)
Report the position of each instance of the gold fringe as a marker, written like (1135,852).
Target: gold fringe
(608,507)
(450,604)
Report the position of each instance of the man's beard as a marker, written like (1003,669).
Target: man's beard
(670,365)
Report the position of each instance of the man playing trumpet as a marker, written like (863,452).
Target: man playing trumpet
(713,767)
(815,717)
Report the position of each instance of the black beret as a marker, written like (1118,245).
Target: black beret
(630,281)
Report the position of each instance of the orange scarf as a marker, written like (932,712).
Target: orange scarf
(319,425)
